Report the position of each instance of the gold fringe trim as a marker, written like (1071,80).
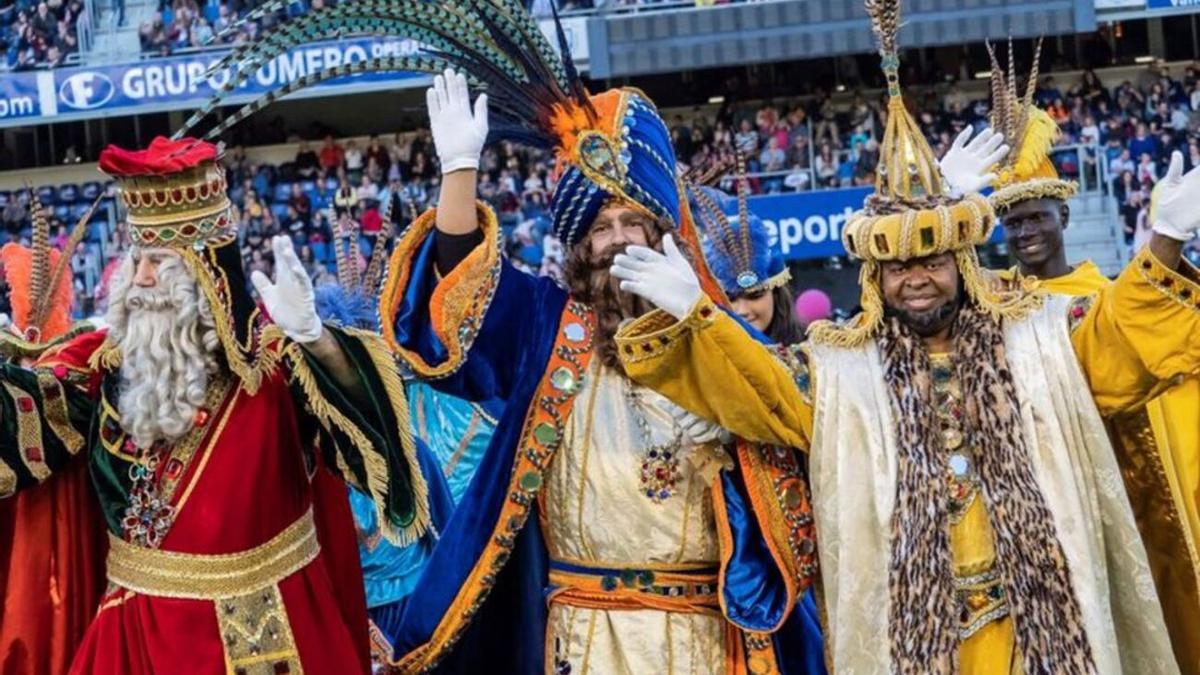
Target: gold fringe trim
(778,281)
(1003,301)
(386,367)
(375,464)
(1006,197)
(864,326)
(106,357)
(249,362)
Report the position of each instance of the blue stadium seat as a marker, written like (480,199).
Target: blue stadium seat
(63,213)
(283,191)
(331,183)
(5,195)
(320,250)
(48,194)
(308,185)
(280,210)
(90,190)
(81,208)
(67,194)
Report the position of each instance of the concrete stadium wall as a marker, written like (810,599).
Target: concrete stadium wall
(782,30)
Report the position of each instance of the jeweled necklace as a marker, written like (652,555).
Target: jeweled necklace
(659,464)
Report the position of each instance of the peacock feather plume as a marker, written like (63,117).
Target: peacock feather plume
(531,87)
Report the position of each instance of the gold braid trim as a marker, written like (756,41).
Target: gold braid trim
(58,417)
(864,326)
(15,347)
(374,464)
(459,303)
(1038,188)
(29,433)
(386,369)
(8,480)
(1001,301)
(250,362)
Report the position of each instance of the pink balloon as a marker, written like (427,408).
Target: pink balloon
(813,305)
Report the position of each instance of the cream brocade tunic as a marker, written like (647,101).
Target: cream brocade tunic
(597,513)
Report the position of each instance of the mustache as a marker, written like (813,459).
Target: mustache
(149,300)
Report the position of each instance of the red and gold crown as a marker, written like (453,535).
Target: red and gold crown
(174,192)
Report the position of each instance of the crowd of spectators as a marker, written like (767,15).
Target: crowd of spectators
(39,34)
(1130,130)
(181,24)
(1120,142)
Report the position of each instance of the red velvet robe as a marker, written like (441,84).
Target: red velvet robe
(262,473)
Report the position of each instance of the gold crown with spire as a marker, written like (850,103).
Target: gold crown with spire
(1027,172)
(911,215)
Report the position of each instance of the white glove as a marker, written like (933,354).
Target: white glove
(966,164)
(667,280)
(290,300)
(458,134)
(1176,213)
(700,431)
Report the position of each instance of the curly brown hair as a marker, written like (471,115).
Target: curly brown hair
(589,282)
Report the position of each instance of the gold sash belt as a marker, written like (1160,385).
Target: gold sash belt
(211,577)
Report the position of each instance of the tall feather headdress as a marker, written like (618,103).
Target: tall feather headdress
(1027,172)
(609,146)
(737,245)
(912,214)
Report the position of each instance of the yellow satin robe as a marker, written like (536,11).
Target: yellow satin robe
(1128,344)
(1174,421)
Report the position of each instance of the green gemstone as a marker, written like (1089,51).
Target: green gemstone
(629,577)
(646,578)
(564,380)
(531,481)
(545,433)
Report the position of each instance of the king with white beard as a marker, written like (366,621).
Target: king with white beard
(218,437)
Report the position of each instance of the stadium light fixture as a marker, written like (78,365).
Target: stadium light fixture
(983,75)
(716,99)
(840,88)
(1144,59)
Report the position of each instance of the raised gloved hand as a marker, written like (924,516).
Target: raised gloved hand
(699,431)
(458,133)
(966,164)
(665,279)
(1176,212)
(290,300)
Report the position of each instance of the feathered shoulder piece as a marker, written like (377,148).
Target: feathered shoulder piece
(40,287)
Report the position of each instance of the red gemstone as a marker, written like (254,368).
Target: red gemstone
(1077,312)
(134,198)
(706,312)
(60,371)
(204,191)
(34,453)
(660,473)
(176,195)
(201,417)
(191,193)
(160,196)
(174,468)
(25,404)
(188,230)
(222,221)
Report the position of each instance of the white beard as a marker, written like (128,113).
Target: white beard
(168,347)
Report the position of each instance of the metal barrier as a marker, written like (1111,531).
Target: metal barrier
(1084,163)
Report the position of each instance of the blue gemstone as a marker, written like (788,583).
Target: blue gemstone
(663,494)
(747,279)
(653,454)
